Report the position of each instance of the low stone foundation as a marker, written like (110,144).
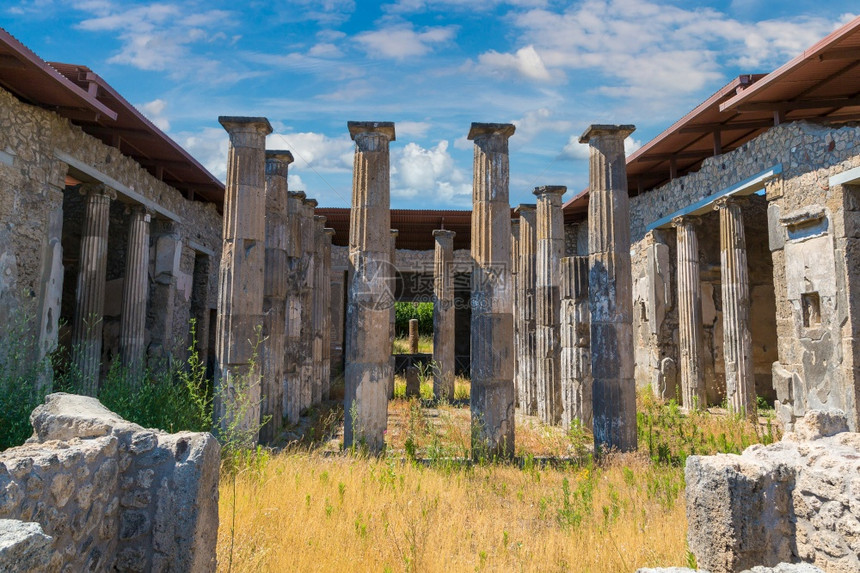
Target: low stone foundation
(797,501)
(108,494)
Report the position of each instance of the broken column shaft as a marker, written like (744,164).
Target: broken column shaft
(610,290)
(135,293)
(275,293)
(575,346)
(492,393)
(737,338)
(90,294)
(443,315)
(240,289)
(689,314)
(368,349)
(526,345)
(325,288)
(319,311)
(550,249)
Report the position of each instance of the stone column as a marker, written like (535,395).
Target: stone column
(575,342)
(610,290)
(167,243)
(515,284)
(689,314)
(413,336)
(90,295)
(325,288)
(368,349)
(275,293)
(492,395)
(550,249)
(295,284)
(737,340)
(240,288)
(526,345)
(443,315)
(306,344)
(318,318)
(135,292)
(392,311)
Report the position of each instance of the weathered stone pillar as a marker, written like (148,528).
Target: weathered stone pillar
(275,293)
(135,292)
(167,243)
(492,395)
(240,288)
(575,342)
(413,336)
(737,340)
(413,383)
(443,315)
(319,310)
(295,296)
(325,288)
(515,283)
(689,314)
(526,346)
(550,249)
(392,311)
(610,290)
(368,348)
(306,352)
(90,295)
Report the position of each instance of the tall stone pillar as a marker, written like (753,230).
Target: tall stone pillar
(240,288)
(295,285)
(392,311)
(325,288)
(306,353)
(443,315)
(689,314)
(492,395)
(575,342)
(167,242)
(550,249)
(368,348)
(275,293)
(319,310)
(515,284)
(737,340)
(610,290)
(90,295)
(526,346)
(135,292)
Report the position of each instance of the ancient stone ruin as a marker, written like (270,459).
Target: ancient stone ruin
(92,492)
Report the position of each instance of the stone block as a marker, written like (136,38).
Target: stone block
(413,383)
(24,547)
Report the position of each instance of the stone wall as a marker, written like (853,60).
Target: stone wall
(810,233)
(110,494)
(32,258)
(794,501)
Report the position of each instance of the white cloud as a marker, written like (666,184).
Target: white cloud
(294,182)
(209,147)
(401,41)
(536,121)
(576,151)
(315,151)
(429,174)
(412,128)
(154,111)
(525,62)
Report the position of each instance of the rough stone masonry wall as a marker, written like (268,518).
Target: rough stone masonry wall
(794,501)
(32,181)
(813,234)
(110,494)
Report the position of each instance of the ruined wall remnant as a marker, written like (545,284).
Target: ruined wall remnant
(111,495)
(791,501)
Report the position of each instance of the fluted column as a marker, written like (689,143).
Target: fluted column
(90,295)
(275,293)
(295,283)
(443,315)
(492,394)
(325,289)
(392,311)
(610,290)
(306,352)
(737,340)
(515,284)
(689,314)
(319,310)
(135,292)
(526,345)
(575,342)
(368,351)
(550,249)
(240,288)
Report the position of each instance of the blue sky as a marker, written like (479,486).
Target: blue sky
(431,66)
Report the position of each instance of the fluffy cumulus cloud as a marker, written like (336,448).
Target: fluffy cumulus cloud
(154,112)
(525,62)
(209,147)
(315,152)
(429,175)
(574,150)
(402,41)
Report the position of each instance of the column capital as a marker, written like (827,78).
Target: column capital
(238,124)
(549,190)
(138,209)
(684,220)
(279,156)
(97,188)
(320,219)
(479,130)
(597,130)
(329,232)
(311,202)
(298,195)
(443,235)
(525,208)
(728,201)
(361,128)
